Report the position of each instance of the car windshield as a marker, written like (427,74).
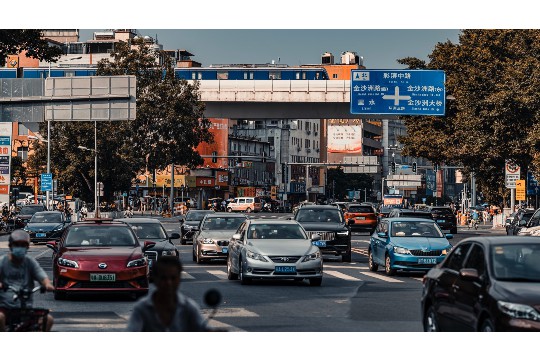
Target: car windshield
(149,230)
(28,211)
(100,236)
(526,216)
(360,209)
(319,215)
(276,231)
(516,262)
(415,229)
(225,223)
(46,218)
(195,216)
(416,215)
(441,211)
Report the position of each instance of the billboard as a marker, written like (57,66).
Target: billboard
(220,146)
(6,130)
(344,137)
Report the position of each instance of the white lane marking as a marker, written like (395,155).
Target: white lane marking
(418,279)
(219,274)
(346,267)
(381,277)
(231,312)
(342,276)
(187,276)
(363,241)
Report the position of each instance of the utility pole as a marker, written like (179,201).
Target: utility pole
(172,190)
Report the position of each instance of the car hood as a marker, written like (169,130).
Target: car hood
(42,226)
(102,254)
(323,227)
(531,231)
(527,293)
(191,223)
(217,234)
(279,247)
(420,243)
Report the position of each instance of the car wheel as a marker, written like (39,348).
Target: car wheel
(193,255)
(388,266)
(59,295)
(230,274)
(347,257)
(487,326)
(229,210)
(243,279)
(248,210)
(315,281)
(373,267)
(198,258)
(430,320)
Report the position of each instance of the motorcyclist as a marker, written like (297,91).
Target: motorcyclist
(19,271)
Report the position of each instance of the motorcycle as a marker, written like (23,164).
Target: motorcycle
(25,319)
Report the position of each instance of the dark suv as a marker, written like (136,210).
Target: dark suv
(445,218)
(190,224)
(329,223)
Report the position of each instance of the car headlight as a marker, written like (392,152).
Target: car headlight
(312,256)
(516,310)
(59,228)
(67,263)
(168,253)
(137,262)
(401,250)
(256,256)
(344,233)
(26,229)
(208,241)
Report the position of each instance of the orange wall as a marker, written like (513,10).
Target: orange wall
(220,130)
(343,71)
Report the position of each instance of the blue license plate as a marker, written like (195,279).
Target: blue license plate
(319,243)
(224,249)
(285,269)
(41,234)
(427,261)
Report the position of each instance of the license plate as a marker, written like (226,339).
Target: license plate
(224,249)
(41,234)
(285,269)
(440,220)
(102,277)
(319,243)
(361,218)
(427,261)
(150,263)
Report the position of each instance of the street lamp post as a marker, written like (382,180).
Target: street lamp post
(96,205)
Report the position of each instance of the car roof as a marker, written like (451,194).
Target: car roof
(226,214)
(138,220)
(406,219)
(50,212)
(272,221)
(412,211)
(200,211)
(100,222)
(319,206)
(500,240)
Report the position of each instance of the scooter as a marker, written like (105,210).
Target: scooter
(26,318)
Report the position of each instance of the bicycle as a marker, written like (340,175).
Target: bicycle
(473,223)
(26,319)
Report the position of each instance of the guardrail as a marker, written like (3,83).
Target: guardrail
(290,86)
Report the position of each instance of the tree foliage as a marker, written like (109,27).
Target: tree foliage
(494,76)
(15,41)
(168,126)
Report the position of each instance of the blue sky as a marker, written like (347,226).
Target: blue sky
(379,47)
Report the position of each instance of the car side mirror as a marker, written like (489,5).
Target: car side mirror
(174,236)
(523,222)
(469,274)
(449,235)
(382,234)
(315,237)
(52,245)
(148,245)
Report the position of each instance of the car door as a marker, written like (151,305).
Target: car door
(380,243)
(467,293)
(443,292)
(235,246)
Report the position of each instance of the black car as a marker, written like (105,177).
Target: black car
(190,224)
(28,211)
(151,231)
(485,284)
(46,226)
(445,218)
(520,220)
(329,223)
(398,212)
(384,211)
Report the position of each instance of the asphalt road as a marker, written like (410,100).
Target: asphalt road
(351,298)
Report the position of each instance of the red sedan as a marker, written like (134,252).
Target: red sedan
(99,255)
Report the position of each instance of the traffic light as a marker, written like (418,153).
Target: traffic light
(393,167)
(414,167)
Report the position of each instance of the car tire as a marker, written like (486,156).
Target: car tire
(430,320)
(248,210)
(230,274)
(347,257)
(243,280)
(388,266)
(193,255)
(198,258)
(315,282)
(59,295)
(373,267)
(487,326)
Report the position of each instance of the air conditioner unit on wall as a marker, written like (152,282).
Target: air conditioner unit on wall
(298,149)
(316,133)
(308,150)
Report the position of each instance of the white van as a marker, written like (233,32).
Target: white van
(245,204)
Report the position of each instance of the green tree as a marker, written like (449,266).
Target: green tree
(494,76)
(14,41)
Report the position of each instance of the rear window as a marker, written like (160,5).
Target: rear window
(416,215)
(100,236)
(360,209)
(441,211)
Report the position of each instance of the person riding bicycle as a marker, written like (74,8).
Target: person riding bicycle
(165,308)
(474,218)
(19,271)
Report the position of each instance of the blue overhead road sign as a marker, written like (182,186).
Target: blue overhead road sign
(401,92)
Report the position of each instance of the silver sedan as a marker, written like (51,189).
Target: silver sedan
(274,249)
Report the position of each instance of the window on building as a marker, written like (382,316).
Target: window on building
(23,130)
(23,153)
(199,76)
(274,75)
(304,75)
(297,75)
(245,75)
(193,75)
(69,73)
(250,75)
(271,140)
(223,75)
(234,145)
(334,76)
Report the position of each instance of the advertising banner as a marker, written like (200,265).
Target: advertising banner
(222,179)
(345,139)
(205,182)
(6,133)
(220,146)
